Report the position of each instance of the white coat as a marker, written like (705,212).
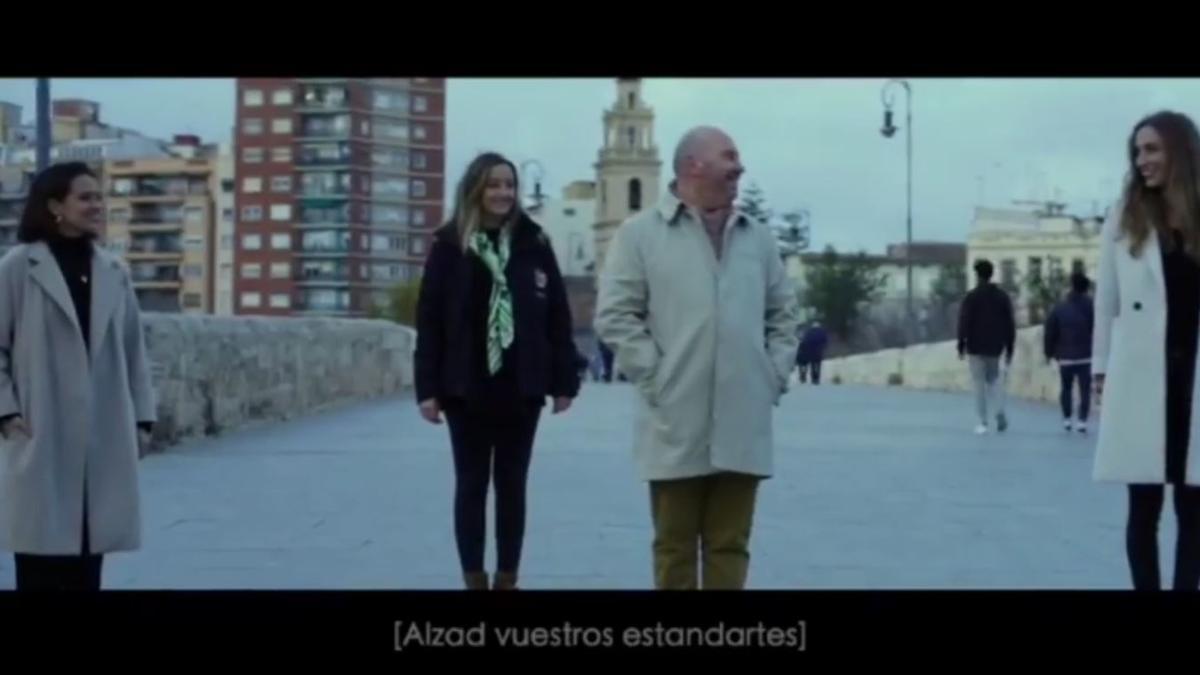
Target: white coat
(1129,349)
(82,409)
(709,344)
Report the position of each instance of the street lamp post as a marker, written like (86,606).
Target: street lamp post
(539,173)
(888,94)
(43,123)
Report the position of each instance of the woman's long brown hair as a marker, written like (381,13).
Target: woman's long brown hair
(1176,205)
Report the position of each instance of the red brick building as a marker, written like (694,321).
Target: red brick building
(339,188)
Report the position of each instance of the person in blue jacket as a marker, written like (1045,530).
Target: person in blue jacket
(812,352)
(1068,340)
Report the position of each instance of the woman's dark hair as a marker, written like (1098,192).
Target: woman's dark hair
(53,183)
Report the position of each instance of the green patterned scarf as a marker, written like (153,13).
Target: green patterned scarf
(500,315)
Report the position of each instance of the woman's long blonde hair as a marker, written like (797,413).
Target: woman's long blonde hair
(1176,205)
(468,198)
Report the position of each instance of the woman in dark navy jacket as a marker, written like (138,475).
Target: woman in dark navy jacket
(494,340)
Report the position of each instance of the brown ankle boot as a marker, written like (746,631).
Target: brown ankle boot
(476,581)
(504,581)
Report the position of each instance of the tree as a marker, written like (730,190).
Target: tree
(839,287)
(950,285)
(754,204)
(1044,294)
(402,304)
(793,238)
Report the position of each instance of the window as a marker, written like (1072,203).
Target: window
(383,242)
(281,184)
(193,243)
(251,299)
(281,212)
(281,270)
(394,157)
(281,301)
(118,216)
(192,300)
(631,136)
(418,217)
(418,188)
(281,97)
(251,242)
(635,195)
(252,126)
(252,155)
(325,183)
(327,125)
(251,184)
(568,212)
(420,104)
(418,246)
(281,154)
(392,215)
(227,184)
(122,186)
(252,213)
(227,242)
(390,100)
(281,125)
(325,153)
(281,241)
(193,271)
(391,186)
(227,215)
(419,161)
(396,131)
(632,100)
(418,132)
(251,271)
(252,98)
(327,240)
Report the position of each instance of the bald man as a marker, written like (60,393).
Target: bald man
(695,303)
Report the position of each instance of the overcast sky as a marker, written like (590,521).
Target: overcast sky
(808,143)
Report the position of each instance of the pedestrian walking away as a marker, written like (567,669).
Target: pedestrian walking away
(702,318)
(1067,339)
(987,334)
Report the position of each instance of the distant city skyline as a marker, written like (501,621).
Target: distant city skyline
(808,143)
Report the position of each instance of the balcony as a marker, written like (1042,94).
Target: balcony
(323,193)
(317,251)
(154,247)
(310,276)
(307,161)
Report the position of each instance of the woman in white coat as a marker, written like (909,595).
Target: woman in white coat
(1145,345)
(74,390)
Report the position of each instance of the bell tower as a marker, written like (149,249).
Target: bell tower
(628,168)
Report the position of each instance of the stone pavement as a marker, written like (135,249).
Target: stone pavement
(875,489)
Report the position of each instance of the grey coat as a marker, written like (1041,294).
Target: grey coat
(82,409)
(709,344)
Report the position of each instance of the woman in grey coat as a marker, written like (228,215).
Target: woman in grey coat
(76,403)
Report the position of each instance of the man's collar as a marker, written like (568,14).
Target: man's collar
(670,207)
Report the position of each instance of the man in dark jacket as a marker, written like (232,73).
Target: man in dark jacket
(812,352)
(1068,340)
(987,330)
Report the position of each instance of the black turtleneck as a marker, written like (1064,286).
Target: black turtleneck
(74,257)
